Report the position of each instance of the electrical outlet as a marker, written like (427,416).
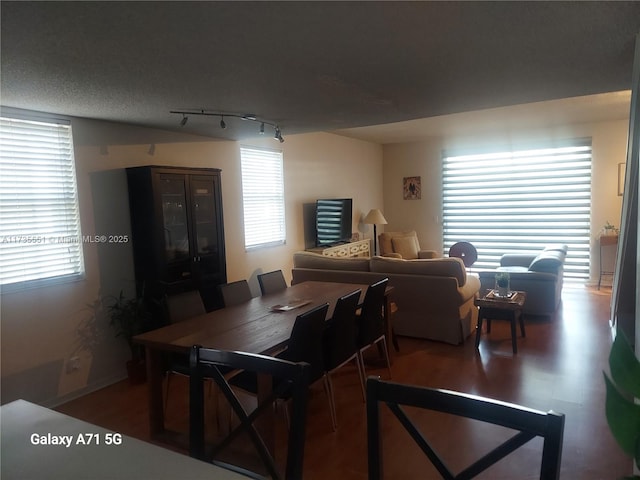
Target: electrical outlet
(73,364)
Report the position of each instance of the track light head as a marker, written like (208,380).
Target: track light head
(222,124)
(262,128)
(184,120)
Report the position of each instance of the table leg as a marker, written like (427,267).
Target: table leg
(265,423)
(521,314)
(514,343)
(478,330)
(154,383)
(388,326)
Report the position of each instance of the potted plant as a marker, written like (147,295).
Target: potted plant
(623,413)
(502,283)
(130,317)
(609,229)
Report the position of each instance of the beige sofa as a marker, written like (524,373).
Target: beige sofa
(434,296)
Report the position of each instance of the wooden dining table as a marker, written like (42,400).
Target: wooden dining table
(253,327)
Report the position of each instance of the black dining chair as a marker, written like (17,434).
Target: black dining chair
(180,307)
(340,345)
(304,345)
(527,422)
(272,282)
(292,382)
(235,293)
(370,321)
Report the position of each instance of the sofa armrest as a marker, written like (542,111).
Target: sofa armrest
(428,254)
(516,260)
(470,288)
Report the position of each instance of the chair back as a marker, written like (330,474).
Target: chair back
(340,334)
(293,383)
(182,306)
(371,318)
(305,342)
(235,293)
(272,282)
(529,424)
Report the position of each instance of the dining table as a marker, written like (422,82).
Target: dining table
(261,325)
(39,443)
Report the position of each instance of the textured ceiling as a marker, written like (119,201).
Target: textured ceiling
(308,66)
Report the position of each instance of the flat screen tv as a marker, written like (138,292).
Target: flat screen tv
(333,221)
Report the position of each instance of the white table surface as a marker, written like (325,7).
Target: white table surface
(21,459)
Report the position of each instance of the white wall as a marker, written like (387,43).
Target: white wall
(609,141)
(43,328)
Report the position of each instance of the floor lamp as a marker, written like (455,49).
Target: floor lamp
(375,217)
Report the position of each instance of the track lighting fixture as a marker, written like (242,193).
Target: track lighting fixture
(245,116)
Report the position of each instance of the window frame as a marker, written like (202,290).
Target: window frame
(69,236)
(512,186)
(252,195)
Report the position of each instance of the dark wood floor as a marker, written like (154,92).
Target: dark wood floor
(558,366)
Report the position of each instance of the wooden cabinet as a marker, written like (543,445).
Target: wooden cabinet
(177,231)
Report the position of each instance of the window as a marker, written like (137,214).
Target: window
(39,221)
(263,197)
(520,201)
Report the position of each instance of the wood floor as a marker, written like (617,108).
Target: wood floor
(559,366)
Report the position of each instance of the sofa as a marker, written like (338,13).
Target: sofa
(539,275)
(434,296)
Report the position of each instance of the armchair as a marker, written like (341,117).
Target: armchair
(403,245)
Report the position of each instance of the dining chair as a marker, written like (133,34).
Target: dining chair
(340,345)
(304,345)
(180,307)
(235,293)
(370,321)
(293,382)
(272,282)
(527,422)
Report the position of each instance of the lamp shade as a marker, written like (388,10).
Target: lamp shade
(375,217)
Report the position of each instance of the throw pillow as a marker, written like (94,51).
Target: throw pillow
(406,246)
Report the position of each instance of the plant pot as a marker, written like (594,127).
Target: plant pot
(137,372)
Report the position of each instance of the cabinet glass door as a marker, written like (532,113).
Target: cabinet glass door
(174,217)
(205,216)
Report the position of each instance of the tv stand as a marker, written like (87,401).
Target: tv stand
(361,248)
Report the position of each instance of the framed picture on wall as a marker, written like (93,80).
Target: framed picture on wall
(411,188)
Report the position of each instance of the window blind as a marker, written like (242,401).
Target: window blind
(39,220)
(519,202)
(263,197)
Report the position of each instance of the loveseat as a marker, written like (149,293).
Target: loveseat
(434,296)
(541,276)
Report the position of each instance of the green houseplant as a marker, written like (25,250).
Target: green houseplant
(502,283)
(130,317)
(622,411)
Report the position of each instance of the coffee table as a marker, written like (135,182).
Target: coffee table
(493,307)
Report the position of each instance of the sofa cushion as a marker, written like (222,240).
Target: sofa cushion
(441,267)
(323,262)
(407,247)
(385,239)
(548,261)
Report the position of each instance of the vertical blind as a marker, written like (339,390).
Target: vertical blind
(39,221)
(519,202)
(263,197)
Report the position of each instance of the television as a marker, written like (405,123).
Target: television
(333,221)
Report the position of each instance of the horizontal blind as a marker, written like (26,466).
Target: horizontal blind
(519,202)
(39,220)
(263,197)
